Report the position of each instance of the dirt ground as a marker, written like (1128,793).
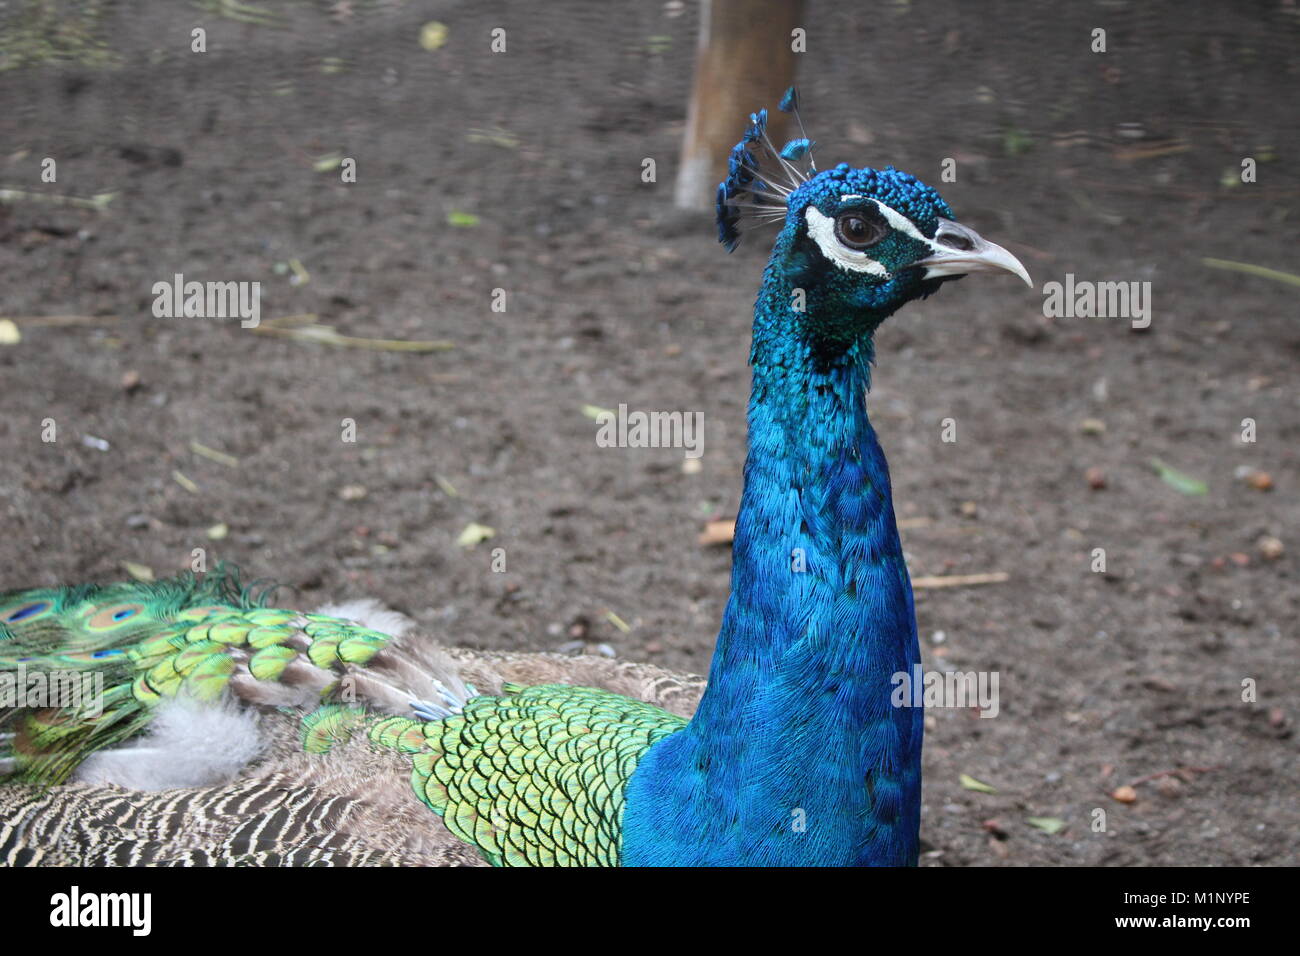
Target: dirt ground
(1132,676)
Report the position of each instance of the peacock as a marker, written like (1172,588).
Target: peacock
(190,721)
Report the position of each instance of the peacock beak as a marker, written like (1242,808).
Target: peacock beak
(959,250)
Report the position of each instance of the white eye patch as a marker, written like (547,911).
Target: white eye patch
(821,228)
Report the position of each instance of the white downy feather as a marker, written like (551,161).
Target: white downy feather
(188,744)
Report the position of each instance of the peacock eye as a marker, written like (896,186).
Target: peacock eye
(859,229)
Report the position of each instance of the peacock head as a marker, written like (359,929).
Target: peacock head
(855,244)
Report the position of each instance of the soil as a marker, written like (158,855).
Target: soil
(1131,676)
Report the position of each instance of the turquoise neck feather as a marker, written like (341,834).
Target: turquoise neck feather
(795,755)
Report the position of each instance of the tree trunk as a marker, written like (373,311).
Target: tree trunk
(743,62)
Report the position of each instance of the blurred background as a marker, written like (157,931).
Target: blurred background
(522,170)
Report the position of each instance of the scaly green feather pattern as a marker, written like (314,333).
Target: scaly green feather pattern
(535,777)
(136,644)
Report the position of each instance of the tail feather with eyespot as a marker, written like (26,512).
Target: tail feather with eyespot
(85,668)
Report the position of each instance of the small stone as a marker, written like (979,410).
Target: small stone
(1095,477)
(1125,794)
(969,509)
(1092,426)
(1239,558)
(1270,548)
(1169,787)
(1260,480)
(130,381)
(352,492)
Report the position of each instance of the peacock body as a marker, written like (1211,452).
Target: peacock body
(273,736)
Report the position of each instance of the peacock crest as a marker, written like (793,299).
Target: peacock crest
(760,178)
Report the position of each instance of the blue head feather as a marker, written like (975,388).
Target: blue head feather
(796,148)
(742,183)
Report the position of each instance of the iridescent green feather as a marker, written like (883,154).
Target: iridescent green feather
(535,777)
(329,725)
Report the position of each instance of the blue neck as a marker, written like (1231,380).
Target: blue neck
(795,755)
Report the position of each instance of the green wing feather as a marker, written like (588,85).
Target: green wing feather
(535,777)
(118,650)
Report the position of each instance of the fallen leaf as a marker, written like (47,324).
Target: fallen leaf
(220,457)
(462,220)
(970,783)
(326,335)
(181,479)
(433,35)
(141,572)
(1179,481)
(1251,269)
(1048,825)
(473,534)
